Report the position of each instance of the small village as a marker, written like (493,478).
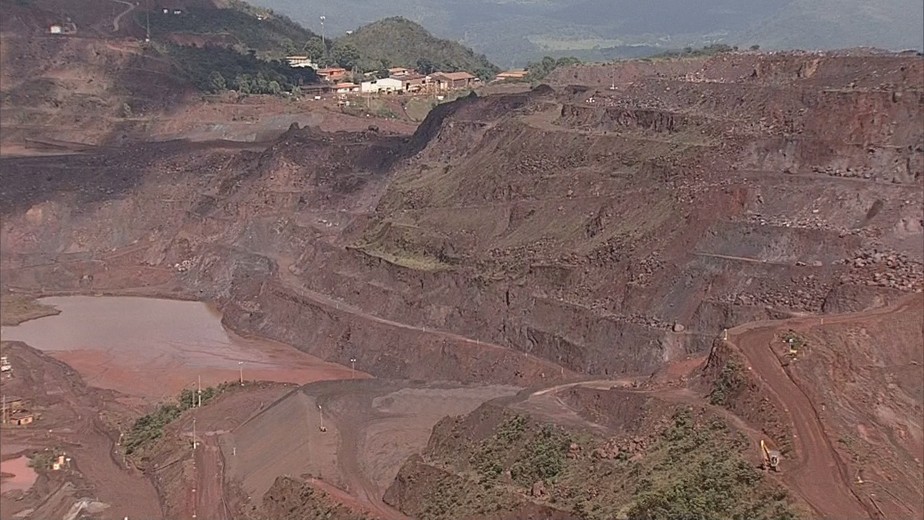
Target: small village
(400,80)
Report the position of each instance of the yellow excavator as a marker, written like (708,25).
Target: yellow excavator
(771,457)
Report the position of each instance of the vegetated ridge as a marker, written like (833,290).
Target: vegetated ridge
(239,24)
(399,42)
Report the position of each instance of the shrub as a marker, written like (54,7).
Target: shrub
(150,427)
(728,384)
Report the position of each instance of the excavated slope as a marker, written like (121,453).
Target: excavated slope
(606,231)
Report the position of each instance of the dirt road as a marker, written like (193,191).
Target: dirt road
(818,474)
(118,18)
(547,402)
(349,460)
(210,501)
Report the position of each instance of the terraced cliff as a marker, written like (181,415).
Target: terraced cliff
(604,228)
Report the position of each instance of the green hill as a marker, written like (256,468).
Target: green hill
(398,42)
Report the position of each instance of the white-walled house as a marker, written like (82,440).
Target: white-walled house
(300,61)
(386,85)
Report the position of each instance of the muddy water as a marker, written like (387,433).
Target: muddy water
(23,476)
(151,347)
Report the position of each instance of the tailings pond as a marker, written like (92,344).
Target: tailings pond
(153,348)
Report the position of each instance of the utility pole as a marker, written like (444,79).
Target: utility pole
(323,45)
(147,19)
(352,367)
(240,365)
(200,393)
(195,439)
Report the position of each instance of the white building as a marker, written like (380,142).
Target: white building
(55,29)
(386,85)
(300,61)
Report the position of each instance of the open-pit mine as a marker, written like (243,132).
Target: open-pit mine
(612,295)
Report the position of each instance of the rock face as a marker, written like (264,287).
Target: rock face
(293,499)
(605,231)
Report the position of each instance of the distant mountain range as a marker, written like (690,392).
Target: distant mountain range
(512,32)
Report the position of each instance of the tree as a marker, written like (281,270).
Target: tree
(538,71)
(289,47)
(243,84)
(260,85)
(755,47)
(315,49)
(217,82)
(485,73)
(344,55)
(425,66)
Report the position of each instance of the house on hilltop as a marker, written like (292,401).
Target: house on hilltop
(413,82)
(346,87)
(452,80)
(511,75)
(399,71)
(300,61)
(332,74)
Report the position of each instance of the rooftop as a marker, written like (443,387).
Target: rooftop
(409,77)
(455,76)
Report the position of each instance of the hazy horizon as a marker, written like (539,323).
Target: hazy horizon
(512,32)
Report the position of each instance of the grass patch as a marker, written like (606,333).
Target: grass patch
(418,108)
(15,309)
